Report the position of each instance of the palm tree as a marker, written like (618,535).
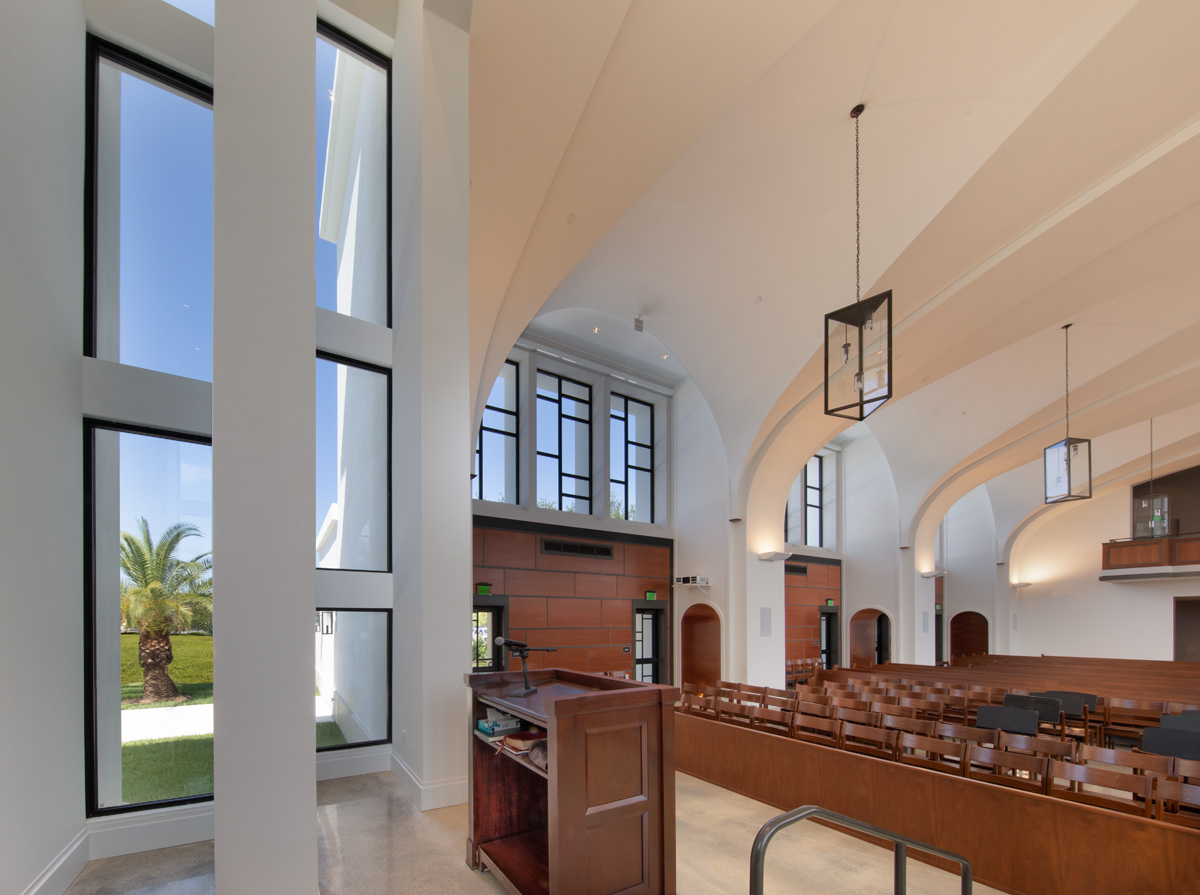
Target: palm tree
(159,594)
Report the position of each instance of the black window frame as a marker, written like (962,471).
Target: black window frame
(808,491)
(90,589)
(352,44)
(515,413)
(97,48)
(560,416)
(625,465)
(387,373)
(360,744)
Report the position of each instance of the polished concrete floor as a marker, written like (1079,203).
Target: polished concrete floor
(373,840)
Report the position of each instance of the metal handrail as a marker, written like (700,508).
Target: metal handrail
(758,853)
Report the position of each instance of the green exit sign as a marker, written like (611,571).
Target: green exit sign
(651,595)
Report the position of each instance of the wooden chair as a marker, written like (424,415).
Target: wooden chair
(1183,708)
(1074,719)
(844,703)
(704,706)
(734,712)
(815,709)
(1185,770)
(1042,747)
(748,697)
(1166,741)
(780,694)
(731,686)
(864,739)
(858,716)
(812,729)
(922,726)
(1008,718)
(1137,762)
(690,703)
(753,691)
(954,707)
(1127,718)
(1130,793)
(924,708)
(900,711)
(1178,803)
(930,752)
(812,694)
(979,736)
(1012,769)
(771,720)
(783,703)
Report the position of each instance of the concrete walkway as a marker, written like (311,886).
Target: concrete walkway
(185,720)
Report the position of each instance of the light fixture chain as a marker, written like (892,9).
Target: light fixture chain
(1151,455)
(1067,368)
(857,222)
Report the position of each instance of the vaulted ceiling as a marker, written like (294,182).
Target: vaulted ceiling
(1024,165)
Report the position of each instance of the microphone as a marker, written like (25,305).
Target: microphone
(511,644)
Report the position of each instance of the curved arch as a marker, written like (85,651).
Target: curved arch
(700,644)
(869,633)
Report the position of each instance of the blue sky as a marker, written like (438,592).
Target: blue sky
(166,287)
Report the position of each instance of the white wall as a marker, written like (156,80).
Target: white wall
(969,559)
(264,333)
(870,545)
(701,514)
(41,444)
(1067,611)
(432,438)
(360,663)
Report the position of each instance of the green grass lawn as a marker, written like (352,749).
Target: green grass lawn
(166,769)
(329,734)
(191,670)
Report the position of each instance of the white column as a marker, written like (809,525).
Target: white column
(263,453)
(431,437)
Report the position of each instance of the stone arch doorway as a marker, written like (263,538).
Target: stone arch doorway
(870,638)
(968,635)
(700,645)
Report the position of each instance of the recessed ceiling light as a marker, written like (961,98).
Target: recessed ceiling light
(595,329)
(665,356)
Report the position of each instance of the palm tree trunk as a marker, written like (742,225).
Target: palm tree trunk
(154,655)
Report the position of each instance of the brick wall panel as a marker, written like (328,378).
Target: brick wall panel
(563,613)
(603,586)
(531,583)
(507,549)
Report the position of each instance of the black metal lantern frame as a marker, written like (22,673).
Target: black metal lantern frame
(858,357)
(1068,463)
(1068,470)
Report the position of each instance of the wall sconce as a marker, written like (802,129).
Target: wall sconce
(773,556)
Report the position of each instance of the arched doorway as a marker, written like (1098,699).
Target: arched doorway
(700,645)
(870,638)
(968,635)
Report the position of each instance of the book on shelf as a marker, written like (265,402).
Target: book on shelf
(520,743)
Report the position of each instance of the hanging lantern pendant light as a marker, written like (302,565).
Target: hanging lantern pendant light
(1068,463)
(858,337)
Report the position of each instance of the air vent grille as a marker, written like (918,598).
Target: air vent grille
(577,548)
(795,569)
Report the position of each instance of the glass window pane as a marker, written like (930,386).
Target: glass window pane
(153,226)
(641,456)
(352,677)
(475,483)
(576,452)
(547,483)
(640,422)
(576,390)
(547,385)
(351,184)
(352,467)
(616,450)
(204,10)
(616,500)
(499,479)
(641,496)
(153,618)
(504,389)
(494,419)
(547,427)
(812,530)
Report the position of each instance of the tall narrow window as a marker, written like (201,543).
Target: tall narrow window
(631,459)
(564,444)
(353,505)
(149,202)
(353,231)
(496,448)
(804,519)
(149,619)
(353,662)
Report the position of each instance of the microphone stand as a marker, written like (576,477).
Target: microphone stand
(522,652)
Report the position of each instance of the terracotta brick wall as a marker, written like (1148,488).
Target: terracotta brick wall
(581,605)
(803,597)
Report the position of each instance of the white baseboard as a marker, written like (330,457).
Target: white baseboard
(67,865)
(428,796)
(352,762)
(124,834)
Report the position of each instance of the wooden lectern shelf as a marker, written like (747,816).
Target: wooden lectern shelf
(601,817)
